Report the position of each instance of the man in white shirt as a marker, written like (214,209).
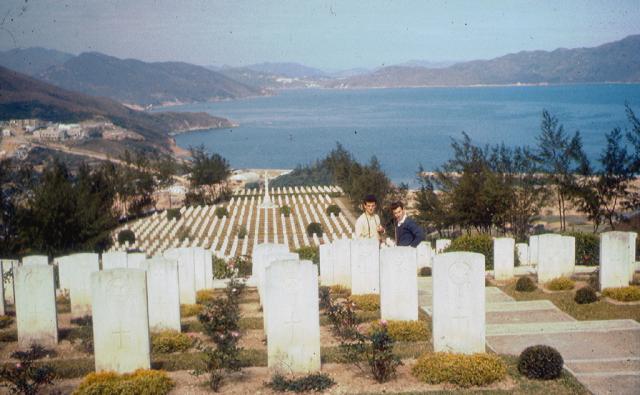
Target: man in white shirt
(368,224)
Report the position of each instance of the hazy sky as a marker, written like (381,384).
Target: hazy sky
(324,34)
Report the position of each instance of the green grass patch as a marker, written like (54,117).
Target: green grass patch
(600,310)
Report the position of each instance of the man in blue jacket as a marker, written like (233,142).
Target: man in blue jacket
(408,232)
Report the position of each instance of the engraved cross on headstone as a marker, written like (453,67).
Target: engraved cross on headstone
(293,286)
(459,274)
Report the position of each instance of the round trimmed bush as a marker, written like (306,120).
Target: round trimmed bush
(169,341)
(424,272)
(333,209)
(126,235)
(173,213)
(205,296)
(525,284)
(285,210)
(189,310)
(623,294)
(561,284)
(139,382)
(404,331)
(540,362)
(459,369)
(314,227)
(221,212)
(368,302)
(340,291)
(586,295)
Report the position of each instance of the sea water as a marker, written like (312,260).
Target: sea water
(405,128)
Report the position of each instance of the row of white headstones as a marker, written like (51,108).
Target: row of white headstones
(554,256)
(157,233)
(118,298)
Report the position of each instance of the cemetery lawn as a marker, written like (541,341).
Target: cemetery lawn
(600,310)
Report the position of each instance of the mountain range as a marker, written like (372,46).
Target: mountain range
(143,84)
(618,61)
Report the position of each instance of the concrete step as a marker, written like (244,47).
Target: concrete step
(560,327)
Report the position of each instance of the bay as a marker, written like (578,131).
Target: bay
(404,128)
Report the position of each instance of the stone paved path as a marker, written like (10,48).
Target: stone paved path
(603,355)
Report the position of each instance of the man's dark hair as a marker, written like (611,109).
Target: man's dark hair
(370,199)
(395,205)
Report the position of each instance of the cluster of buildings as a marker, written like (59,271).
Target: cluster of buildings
(55,131)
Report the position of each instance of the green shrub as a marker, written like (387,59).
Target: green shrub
(405,331)
(587,248)
(285,210)
(221,212)
(221,268)
(526,284)
(540,362)
(333,209)
(624,294)
(310,253)
(205,296)
(459,369)
(424,272)
(242,232)
(189,310)
(561,284)
(313,382)
(241,265)
(368,302)
(586,295)
(480,243)
(138,383)
(173,213)
(24,377)
(5,321)
(183,233)
(169,341)
(316,228)
(126,235)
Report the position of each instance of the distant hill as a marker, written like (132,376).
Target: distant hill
(32,61)
(135,82)
(291,70)
(24,97)
(618,61)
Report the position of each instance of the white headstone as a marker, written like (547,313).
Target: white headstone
(551,259)
(208,269)
(425,254)
(259,261)
(614,260)
(186,273)
(569,251)
(632,254)
(293,335)
(36,314)
(533,250)
(7,274)
(522,249)
(503,258)
(199,261)
(135,260)
(441,245)
(77,269)
(365,267)
(459,303)
(163,293)
(114,260)
(335,263)
(35,260)
(399,284)
(120,320)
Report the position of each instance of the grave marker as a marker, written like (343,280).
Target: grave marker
(459,303)
(399,284)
